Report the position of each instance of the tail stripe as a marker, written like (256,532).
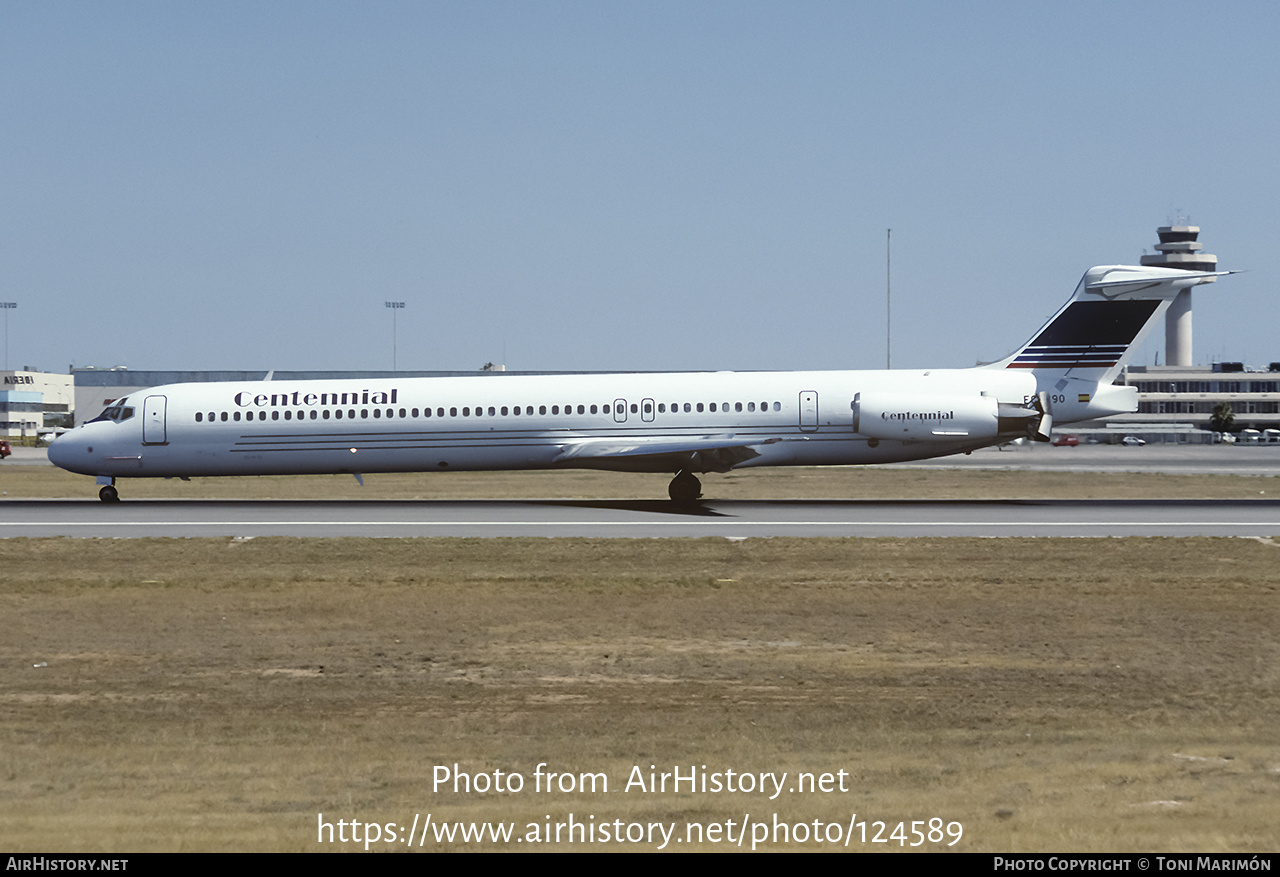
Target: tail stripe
(1063,356)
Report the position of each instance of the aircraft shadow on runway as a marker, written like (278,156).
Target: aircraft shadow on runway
(655,506)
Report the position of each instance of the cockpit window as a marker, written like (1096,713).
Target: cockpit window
(118,411)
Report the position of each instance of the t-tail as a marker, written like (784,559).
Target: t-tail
(1081,350)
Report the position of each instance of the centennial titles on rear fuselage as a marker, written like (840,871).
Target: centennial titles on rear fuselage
(918,415)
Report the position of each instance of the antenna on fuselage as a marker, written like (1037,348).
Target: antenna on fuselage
(888,301)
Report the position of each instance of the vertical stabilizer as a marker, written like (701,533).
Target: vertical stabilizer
(1094,334)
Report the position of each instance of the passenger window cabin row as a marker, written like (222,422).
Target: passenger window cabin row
(480,411)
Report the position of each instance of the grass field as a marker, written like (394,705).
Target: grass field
(1046,695)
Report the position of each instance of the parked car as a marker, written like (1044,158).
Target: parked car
(1066,441)
(1132,441)
(5,450)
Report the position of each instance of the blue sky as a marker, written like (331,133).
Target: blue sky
(609,185)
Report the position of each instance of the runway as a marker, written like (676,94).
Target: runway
(647,519)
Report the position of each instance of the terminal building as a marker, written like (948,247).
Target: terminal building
(34,402)
(1176,403)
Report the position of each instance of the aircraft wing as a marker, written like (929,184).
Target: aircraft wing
(708,453)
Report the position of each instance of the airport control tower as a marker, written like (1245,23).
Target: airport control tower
(1178,248)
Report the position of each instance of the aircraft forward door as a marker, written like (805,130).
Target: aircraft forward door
(808,410)
(153,416)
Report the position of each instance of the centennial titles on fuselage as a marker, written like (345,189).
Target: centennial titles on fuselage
(248,399)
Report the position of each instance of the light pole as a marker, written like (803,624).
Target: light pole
(888,298)
(395,306)
(7,306)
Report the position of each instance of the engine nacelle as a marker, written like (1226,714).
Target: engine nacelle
(926,417)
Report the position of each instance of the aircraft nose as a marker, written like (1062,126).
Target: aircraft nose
(68,450)
(56,450)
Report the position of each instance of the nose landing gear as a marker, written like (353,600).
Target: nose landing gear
(108,492)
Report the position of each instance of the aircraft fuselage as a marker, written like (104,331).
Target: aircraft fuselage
(522,422)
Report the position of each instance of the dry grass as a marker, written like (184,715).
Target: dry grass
(1048,694)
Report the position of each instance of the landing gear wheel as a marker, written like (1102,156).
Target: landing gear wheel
(109,494)
(685,487)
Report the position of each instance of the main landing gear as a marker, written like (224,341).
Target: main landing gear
(685,487)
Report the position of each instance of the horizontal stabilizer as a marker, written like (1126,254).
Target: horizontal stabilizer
(1142,281)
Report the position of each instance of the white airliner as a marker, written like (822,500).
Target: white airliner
(685,423)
